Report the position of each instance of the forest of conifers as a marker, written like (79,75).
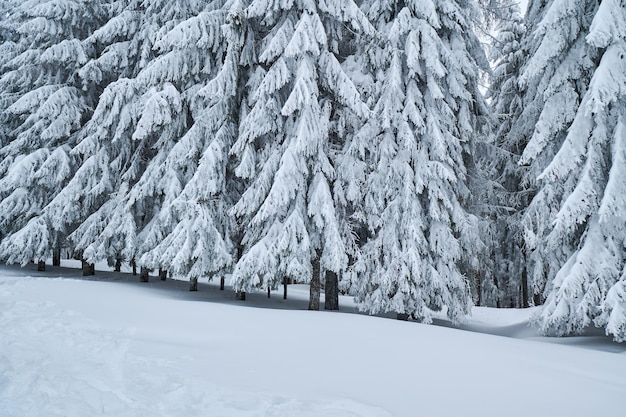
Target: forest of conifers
(419,155)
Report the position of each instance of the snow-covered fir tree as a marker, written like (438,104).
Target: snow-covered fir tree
(125,179)
(417,148)
(43,105)
(554,80)
(198,242)
(577,221)
(288,212)
(502,195)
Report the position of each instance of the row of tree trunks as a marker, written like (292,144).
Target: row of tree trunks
(56,258)
(285,284)
(331,296)
(331,288)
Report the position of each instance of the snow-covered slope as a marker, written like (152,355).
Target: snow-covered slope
(111,346)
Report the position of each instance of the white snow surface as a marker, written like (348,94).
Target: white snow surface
(111,346)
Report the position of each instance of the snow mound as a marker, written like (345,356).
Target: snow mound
(56,362)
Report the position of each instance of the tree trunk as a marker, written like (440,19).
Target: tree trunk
(269,292)
(285,282)
(240,295)
(314,286)
(479,288)
(56,255)
(162,274)
(88,269)
(331,291)
(193,284)
(144,277)
(525,298)
(222,283)
(402,316)
(118,265)
(41,266)
(498,303)
(134,265)
(537,299)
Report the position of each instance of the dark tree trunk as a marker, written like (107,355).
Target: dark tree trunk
(525,297)
(41,266)
(56,255)
(285,282)
(479,288)
(162,274)
(314,286)
(498,303)
(269,292)
(118,265)
(222,283)
(88,269)
(402,316)
(143,276)
(240,295)
(134,265)
(331,291)
(537,299)
(193,284)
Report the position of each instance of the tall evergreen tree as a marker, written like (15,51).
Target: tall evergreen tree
(554,80)
(123,182)
(577,221)
(418,147)
(291,222)
(199,242)
(44,104)
(503,194)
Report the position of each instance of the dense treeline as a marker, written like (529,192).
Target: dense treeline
(345,144)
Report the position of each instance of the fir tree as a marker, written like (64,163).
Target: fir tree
(44,105)
(503,194)
(124,182)
(583,186)
(199,242)
(415,197)
(288,211)
(554,80)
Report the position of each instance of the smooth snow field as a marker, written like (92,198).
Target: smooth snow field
(111,346)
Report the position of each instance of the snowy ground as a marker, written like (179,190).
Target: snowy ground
(111,346)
